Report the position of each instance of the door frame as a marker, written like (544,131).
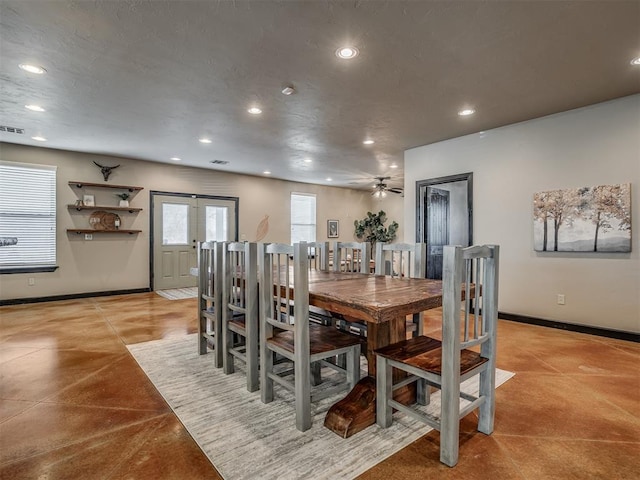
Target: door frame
(153,193)
(421,193)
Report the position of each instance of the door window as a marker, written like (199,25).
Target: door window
(175,224)
(216,226)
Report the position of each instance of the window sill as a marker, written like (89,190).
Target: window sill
(35,269)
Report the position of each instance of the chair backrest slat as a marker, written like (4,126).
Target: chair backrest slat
(351,257)
(318,255)
(209,269)
(241,276)
(403,259)
(286,303)
(470,279)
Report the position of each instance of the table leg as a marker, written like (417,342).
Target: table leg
(357,410)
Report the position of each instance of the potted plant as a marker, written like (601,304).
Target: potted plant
(124,199)
(371,229)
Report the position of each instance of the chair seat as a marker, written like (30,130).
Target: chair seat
(425,353)
(323,339)
(237,324)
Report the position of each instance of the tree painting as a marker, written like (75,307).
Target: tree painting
(595,219)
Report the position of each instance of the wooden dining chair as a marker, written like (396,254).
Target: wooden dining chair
(285,329)
(351,257)
(408,260)
(468,320)
(210,300)
(240,334)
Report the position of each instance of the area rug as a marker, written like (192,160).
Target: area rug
(246,439)
(179,293)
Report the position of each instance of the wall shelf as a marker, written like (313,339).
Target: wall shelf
(81,231)
(100,215)
(119,209)
(105,185)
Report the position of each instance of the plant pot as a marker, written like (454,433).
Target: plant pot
(124,203)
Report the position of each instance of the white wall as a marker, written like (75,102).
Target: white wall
(595,145)
(119,262)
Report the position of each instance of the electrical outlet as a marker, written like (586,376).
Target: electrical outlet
(243,237)
(88,236)
(560,299)
(31,281)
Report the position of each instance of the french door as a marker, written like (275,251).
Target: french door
(180,221)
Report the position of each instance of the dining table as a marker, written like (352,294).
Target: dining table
(383,303)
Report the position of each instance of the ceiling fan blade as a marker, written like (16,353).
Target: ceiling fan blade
(395,190)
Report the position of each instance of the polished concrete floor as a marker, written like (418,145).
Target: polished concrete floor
(75,405)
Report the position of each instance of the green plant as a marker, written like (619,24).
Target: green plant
(371,229)
(123,196)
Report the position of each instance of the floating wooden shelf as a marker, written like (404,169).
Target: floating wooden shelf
(119,209)
(105,185)
(79,232)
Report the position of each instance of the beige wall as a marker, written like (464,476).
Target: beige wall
(118,262)
(591,146)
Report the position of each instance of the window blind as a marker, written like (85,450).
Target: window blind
(303,217)
(28,214)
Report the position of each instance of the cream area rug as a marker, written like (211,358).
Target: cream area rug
(179,293)
(246,439)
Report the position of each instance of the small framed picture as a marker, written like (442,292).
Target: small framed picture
(89,200)
(332,229)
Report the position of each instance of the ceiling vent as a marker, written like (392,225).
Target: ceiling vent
(219,162)
(4,128)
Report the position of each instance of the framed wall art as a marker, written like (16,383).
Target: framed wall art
(332,229)
(89,200)
(587,219)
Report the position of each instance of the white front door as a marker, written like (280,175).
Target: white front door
(180,222)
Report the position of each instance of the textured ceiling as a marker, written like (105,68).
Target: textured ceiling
(147,79)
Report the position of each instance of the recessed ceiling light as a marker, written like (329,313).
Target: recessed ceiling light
(32,68)
(369,142)
(288,90)
(329,179)
(204,140)
(307,160)
(267,172)
(347,52)
(466,112)
(635,61)
(254,111)
(39,139)
(393,166)
(176,159)
(34,108)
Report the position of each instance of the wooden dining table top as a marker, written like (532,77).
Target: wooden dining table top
(373,298)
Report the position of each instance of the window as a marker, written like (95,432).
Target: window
(27,218)
(303,217)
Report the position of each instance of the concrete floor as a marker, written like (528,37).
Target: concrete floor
(74,403)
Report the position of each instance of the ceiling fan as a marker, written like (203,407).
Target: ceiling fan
(380,188)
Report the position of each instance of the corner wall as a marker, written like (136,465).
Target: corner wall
(595,145)
(121,262)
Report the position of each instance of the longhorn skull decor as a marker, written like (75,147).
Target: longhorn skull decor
(106,171)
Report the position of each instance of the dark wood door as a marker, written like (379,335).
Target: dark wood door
(436,229)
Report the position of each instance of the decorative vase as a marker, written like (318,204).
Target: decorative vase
(124,203)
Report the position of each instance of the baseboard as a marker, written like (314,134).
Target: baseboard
(19,301)
(601,332)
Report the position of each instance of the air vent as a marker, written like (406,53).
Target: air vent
(4,128)
(219,162)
